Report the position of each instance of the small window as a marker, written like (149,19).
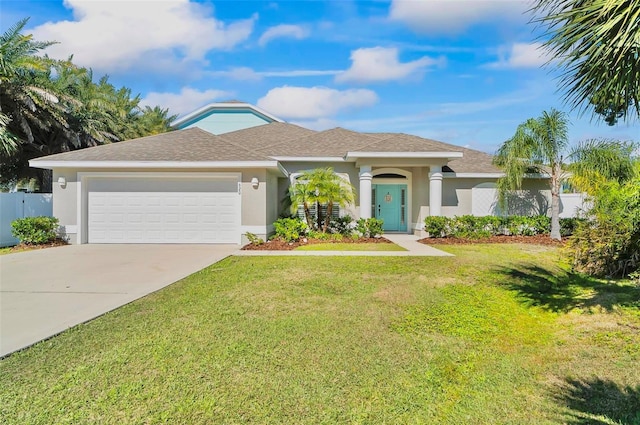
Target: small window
(390,176)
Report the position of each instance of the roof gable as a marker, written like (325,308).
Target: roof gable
(224,117)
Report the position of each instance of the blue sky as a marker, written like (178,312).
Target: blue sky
(463,72)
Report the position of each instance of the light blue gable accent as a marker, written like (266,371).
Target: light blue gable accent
(219,121)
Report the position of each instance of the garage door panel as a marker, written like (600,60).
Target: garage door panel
(154,216)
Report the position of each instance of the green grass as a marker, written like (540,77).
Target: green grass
(499,334)
(5,250)
(341,246)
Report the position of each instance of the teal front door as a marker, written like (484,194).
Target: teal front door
(390,205)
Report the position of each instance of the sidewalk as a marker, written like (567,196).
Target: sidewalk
(408,242)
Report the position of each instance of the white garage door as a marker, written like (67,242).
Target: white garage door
(163,210)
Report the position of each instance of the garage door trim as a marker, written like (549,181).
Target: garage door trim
(85,177)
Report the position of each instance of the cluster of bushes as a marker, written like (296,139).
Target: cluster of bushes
(609,243)
(294,229)
(472,227)
(35,230)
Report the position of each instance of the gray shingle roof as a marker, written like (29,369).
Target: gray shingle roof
(263,136)
(275,139)
(188,145)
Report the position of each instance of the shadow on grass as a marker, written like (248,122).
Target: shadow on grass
(562,291)
(598,401)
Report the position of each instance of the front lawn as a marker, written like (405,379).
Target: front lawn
(498,334)
(338,246)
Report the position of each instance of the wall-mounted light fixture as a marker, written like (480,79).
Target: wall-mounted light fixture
(62,182)
(255,182)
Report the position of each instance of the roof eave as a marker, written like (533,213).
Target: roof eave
(402,155)
(49,165)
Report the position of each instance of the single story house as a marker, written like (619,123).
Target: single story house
(226,168)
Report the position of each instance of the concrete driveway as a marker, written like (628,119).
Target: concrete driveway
(46,291)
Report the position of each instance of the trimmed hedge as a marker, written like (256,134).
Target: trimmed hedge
(472,227)
(35,230)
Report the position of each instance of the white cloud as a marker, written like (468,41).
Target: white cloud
(279,31)
(522,55)
(187,100)
(113,36)
(249,74)
(308,103)
(381,64)
(452,16)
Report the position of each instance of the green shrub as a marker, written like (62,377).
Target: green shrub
(472,227)
(568,225)
(35,230)
(521,225)
(369,228)
(341,225)
(254,239)
(436,226)
(290,229)
(608,244)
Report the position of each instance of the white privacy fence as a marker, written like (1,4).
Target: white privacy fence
(19,205)
(484,201)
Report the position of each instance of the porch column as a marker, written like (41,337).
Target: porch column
(365,191)
(435,190)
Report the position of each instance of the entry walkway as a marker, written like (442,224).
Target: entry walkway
(408,242)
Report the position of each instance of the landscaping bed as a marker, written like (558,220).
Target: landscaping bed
(30,247)
(278,244)
(535,240)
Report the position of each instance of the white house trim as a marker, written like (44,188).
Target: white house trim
(152,164)
(412,155)
(84,177)
(308,158)
(472,175)
(223,105)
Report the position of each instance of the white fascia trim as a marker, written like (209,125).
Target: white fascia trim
(152,164)
(489,176)
(473,175)
(308,158)
(222,105)
(439,155)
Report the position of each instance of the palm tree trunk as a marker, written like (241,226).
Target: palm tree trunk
(307,215)
(327,218)
(555,202)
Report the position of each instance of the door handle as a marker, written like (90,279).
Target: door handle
(378,208)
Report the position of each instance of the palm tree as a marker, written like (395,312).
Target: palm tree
(27,101)
(320,186)
(301,193)
(597,48)
(541,145)
(536,147)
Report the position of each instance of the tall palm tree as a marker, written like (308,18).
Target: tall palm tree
(596,44)
(541,145)
(27,101)
(536,147)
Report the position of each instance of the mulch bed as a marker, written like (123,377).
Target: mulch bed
(280,245)
(534,240)
(25,247)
